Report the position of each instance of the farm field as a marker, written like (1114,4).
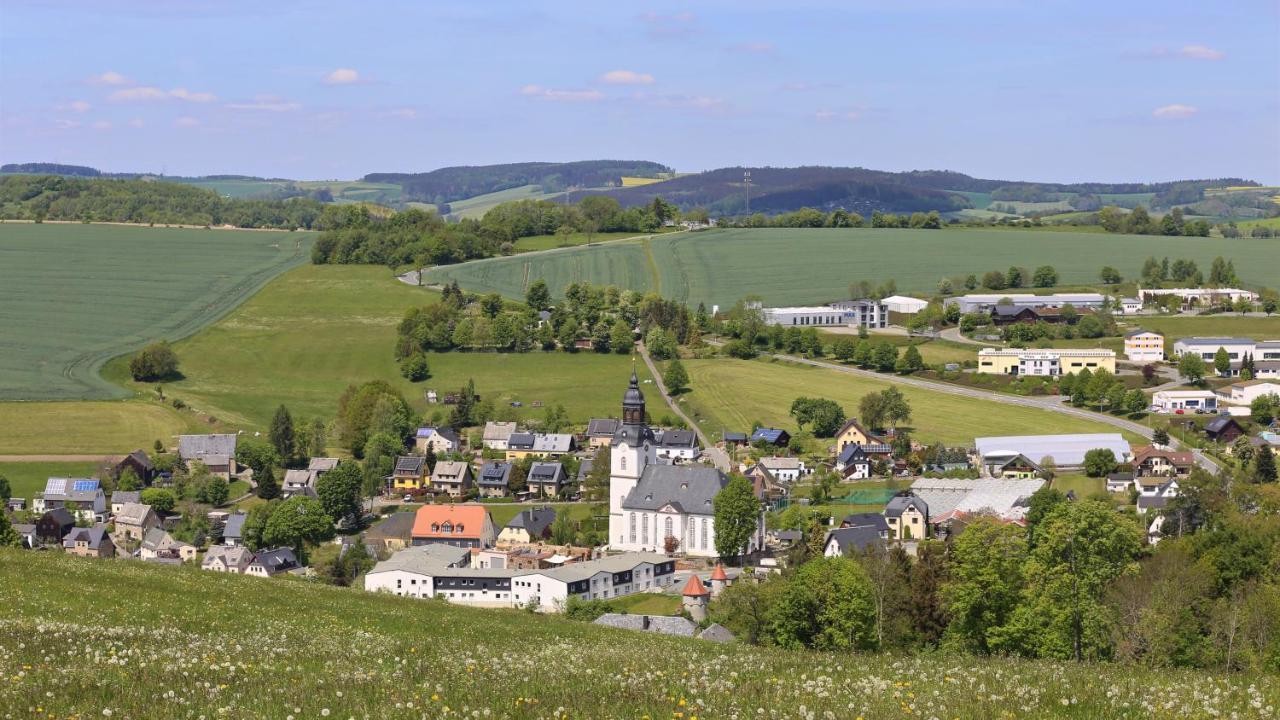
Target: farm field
(320,328)
(89,427)
(1179,326)
(732,394)
(343,190)
(719,267)
(308,641)
(476,207)
(28,478)
(548,242)
(74,296)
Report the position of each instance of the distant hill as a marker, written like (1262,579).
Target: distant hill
(50,169)
(459,183)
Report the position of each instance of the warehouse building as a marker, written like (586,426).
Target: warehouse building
(1045,363)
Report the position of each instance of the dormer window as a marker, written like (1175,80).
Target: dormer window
(435,527)
(684,486)
(458,528)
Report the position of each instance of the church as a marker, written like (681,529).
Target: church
(650,501)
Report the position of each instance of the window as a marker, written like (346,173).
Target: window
(624,462)
(703,541)
(633,527)
(667,527)
(644,530)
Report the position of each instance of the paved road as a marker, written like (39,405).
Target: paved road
(717,456)
(954,335)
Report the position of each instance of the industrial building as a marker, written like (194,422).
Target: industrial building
(1045,363)
(985,303)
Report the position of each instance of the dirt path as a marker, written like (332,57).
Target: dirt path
(718,457)
(59,458)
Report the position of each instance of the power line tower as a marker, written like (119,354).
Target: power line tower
(746,184)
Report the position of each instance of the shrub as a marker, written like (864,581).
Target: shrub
(156,361)
(415,368)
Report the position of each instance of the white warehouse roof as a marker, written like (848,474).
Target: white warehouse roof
(1064,449)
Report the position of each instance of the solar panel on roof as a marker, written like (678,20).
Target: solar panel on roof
(56,486)
(84,485)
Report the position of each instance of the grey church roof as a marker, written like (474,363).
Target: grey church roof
(689,488)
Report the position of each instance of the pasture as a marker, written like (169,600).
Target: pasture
(732,394)
(28,478)
(74,296)
(476,207)
(805,266)
(90,427)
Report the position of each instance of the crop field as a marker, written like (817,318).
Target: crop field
(178,641)
(1179,326)
(476,207)
(548,242)
(319,328)
(732,394)
(74,296)
(89,427)
(799,266)
(343,190)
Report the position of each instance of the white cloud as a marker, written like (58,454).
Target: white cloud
(266,103)
(186,122)
(561,95)
(67,124)
(77,106)
(828,115)
(342,76)
(678,100)
(1200,52)
(184,94)
(109,77)
(627,77)
(403,114)
(144,93)
(1175,110)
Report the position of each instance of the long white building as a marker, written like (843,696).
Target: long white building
(847,313)
(1265,354)
(986,302)
(1198,297)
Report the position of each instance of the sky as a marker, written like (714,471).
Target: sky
(1048,90)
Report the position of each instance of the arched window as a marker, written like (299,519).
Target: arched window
(704,534)
(644,529)
(667,527)
(624,462)
(633,527)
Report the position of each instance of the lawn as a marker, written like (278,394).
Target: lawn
(732,394)
(804,266)
(97,638)
(1082,485)
(74,296)
(28,478)
(503,512)
(648,604)
(319,328)
(90,427)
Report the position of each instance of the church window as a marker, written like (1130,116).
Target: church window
(633,527)
(704,534)
(644,529)
(667,526)
(624,462)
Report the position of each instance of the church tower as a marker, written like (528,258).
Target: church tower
(631,450)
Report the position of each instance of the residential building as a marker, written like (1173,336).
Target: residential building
(466,525)
(139,463)
(546,479)
(528,526)
(89,542)
(160,546)
(1044,363)
(1168,401)
(234,560)
(409,572)
(269,563)
(233,530)
(440,440)
(904,305)
(54,525)
(600,431)
(853,463)
(853,433)
(784,469)
(907,517)
(875,521)
(1198,297)
(1119,482)
(135,519)
(216,451)
(1223,429)
(452,478)
(1244,393)
(1143,346)
(650,502)
(410,474)
(676,445)
(28,538)
(984,303)
(120,498)
(771,436)
(843,542)
(392,533)
(1129,306)
(543,445)
(1154,493)
(494,479)
(1265,354)
(82,496)
(303,481)
(1066,451)
(496,434)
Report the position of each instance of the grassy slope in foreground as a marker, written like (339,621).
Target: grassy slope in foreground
(798,266)
(731,394)
(319,328)
(82,637)
(74,296)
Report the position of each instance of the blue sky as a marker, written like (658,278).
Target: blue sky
(1046,90)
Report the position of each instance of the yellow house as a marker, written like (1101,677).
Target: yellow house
(908,518)
(854,434)
(1045,363)
(410,474)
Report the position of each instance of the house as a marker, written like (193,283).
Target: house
(27,535)
(543,445)
(234,560)
(82,496)
(852,433)
(734,438)
(139,463)
(392,533)
(1011,314)
(54,525)
(853,463)
(269,563)
(907,517)
(1154,494)
(233,530)
(771,436)
(466,525)
(1143,346)
(1065,451)
(528,526)
(1130,306)
(15,504)
(89,542)
(785,469)
(216,451)
(135,519)
(600,431)
(160,546)
(904,305)
(410,572)
(494,479)
(1244,393)
(496,434)
(872,520)
(1044,363)
(1153,461)
(765,485)
(547,478)
(410,474)
(676,445)
(1172,401)
(1223,429)
(120,498)
(298,482)
(842,542)
(1198,297)
(985,303)
(452,478)
(1119,482)
(660,624)
(440,440)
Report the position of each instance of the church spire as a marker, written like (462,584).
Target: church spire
(633,402)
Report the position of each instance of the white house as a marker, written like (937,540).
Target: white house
(1199,297)
(676,446)
(1167,401)
(1129,305)
(904,305)
(783,469)
(1142,346)
(496,434)
(234,560)
(82,496)
(1244,393)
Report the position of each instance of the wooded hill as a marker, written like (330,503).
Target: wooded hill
(458,183)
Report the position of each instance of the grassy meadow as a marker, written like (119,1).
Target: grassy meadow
(797,266)
(90,638)
(28,478)
(476,207)
(74,296)
(97,427)
(732,394)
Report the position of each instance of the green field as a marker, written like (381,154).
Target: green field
(28,478)
(476,207)
(548,242)
(731,394)
(1180,326)
(319,328)
(96,638)
(797,266)
(89,427)
(343,190)
(74,296)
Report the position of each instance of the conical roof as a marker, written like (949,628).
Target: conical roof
(695,588)
(718,573)
(633,396)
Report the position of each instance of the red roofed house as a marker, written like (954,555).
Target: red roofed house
(696,597)
(1149,460)
(466,525)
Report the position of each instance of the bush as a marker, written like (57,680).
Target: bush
(740,349)
(415,368)
(156,361)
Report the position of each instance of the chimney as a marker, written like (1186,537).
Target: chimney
(644,622)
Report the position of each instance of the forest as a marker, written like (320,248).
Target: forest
(448,184)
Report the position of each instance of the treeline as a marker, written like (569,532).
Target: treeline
(39,168)
(54,197)
(1139,222)
(1222,273)
(592,214)
(446,185)
(839,218)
